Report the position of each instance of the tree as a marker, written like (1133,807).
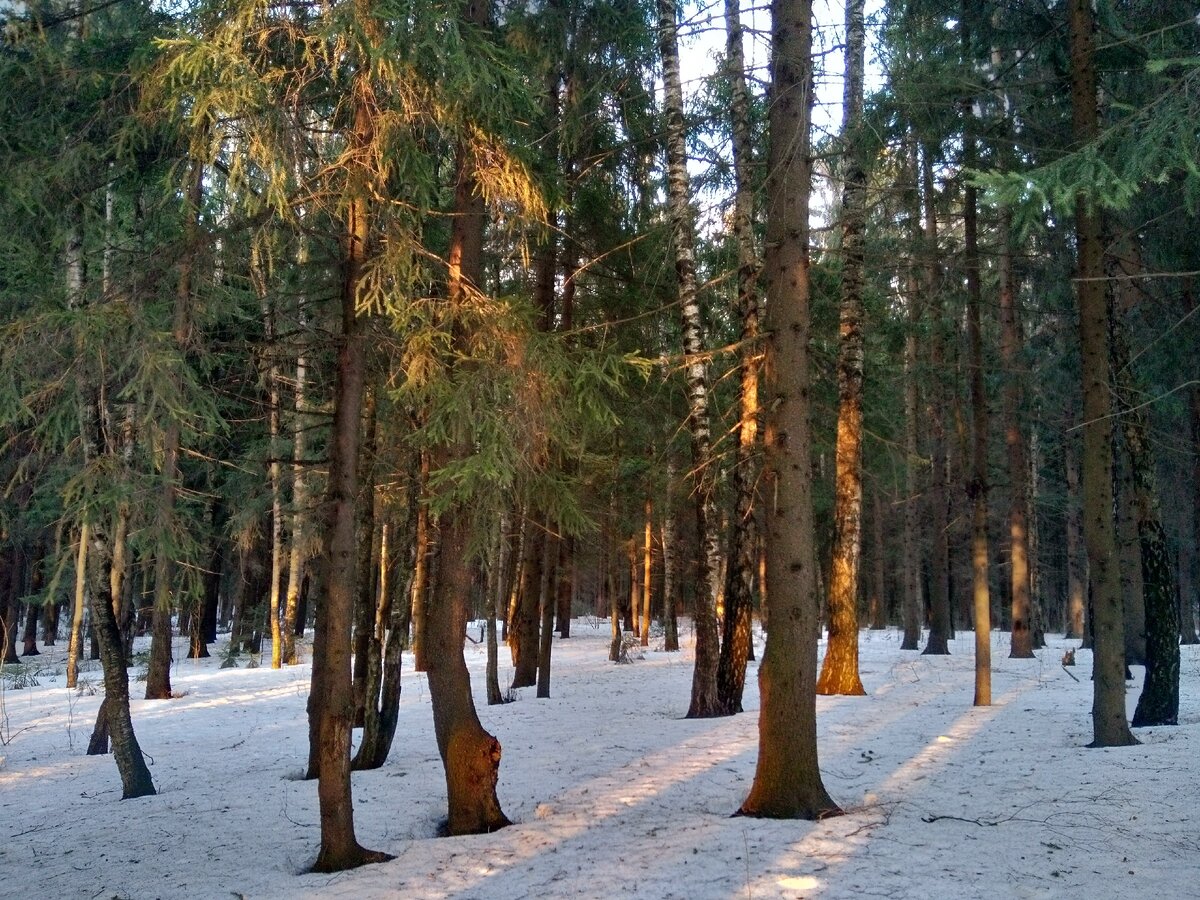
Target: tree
(736,637)
(787,780)
(977,485)
(839,672)
(704,700)
(1111,729)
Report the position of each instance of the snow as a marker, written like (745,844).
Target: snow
(613,793)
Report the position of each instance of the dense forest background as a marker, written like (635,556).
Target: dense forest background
(374,318)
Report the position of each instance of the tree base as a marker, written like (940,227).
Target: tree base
(350,858)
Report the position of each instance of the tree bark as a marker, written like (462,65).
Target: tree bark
(839,672)
(470,755)
(135,776)
(1110,727)
(293,617)
(736,641)
(259,277)
(939,581)
(1014,442)
(331,702)
(977,486)
(787,779)
(158,675)
(1159,700)
(523,636)
(1077,577)
(704,701)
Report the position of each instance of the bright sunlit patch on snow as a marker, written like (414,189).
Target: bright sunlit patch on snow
(799,883)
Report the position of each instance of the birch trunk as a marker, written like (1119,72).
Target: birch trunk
(704,700)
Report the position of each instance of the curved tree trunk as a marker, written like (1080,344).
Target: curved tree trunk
(470,755)
(787,779)
(331,702)
(135,776)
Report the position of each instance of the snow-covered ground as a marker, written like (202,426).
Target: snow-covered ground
(613,793)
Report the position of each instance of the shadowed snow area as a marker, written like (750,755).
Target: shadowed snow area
(613,793)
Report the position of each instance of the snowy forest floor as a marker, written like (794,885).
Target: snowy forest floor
(613,793)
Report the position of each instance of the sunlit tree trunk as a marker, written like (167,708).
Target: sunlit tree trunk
(293,623)
(704,701)
(1110,727)
(787,779)
(259,277)
(839,672)
(470,755)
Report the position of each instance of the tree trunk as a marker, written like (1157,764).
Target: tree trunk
(498,571)
(470,755)
(787,780)
(548,598)
(1187,599)
(135,776)
(939,582)
(366,604)
(647,558)
(331,701)
(1159,701)
(419,601)
(1014,441)
(158,675)
(839,672)
(670,581)
(977,485)
(259,277)
(523,636)
(1110,727)
(879,597)
(75,641)
(704,701)
(1076,560)
(566,585)
(293,616)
